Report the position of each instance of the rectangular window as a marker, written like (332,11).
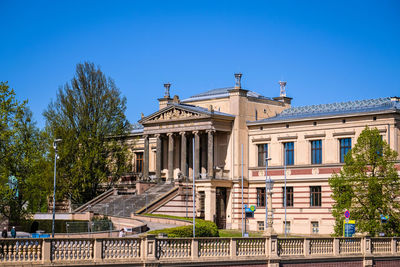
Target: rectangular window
(286,227)
(345,146)
(314,227)
(289,155)
(315,196)
(260,197)
(316,152)
(139,161)
(262,154)
(260,225)
(289,196)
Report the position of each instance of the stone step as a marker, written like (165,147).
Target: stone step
(125,204)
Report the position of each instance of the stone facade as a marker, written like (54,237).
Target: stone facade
(206,135)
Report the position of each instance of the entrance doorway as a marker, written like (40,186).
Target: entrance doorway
(221,207)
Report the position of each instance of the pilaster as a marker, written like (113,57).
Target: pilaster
(233,248)
(150,248)
(46,251)
(195,249)
(210,203)
(98,249)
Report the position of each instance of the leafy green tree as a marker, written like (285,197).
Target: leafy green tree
(368,186)
(88,115)
(24,177)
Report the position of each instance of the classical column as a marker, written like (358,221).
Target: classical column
(210,154)
(158,157)
(146,158)
(170,156)
(190,156)
(183,154)
(196,154)
(203,143)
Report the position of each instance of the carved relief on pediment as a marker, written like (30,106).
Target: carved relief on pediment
(174,114)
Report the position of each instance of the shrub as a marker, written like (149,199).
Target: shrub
(203,229)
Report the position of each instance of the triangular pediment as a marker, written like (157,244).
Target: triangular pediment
(172,113)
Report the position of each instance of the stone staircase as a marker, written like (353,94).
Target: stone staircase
(123,205)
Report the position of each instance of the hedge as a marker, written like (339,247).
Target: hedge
(203,229)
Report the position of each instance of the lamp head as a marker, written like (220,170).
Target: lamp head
(270,184)
(55,143)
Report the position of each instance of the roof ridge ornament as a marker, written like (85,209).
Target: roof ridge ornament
(283,88)
(167,86)
(238,77)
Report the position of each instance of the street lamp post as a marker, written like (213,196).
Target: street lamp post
(269,184)
(266,190)
(54,188)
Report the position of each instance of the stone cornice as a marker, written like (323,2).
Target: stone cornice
(344,133)
(291,137)
(307,136)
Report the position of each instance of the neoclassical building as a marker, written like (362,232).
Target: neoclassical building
(223,134)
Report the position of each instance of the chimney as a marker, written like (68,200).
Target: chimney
(283,89)
(238,77)
(167,86)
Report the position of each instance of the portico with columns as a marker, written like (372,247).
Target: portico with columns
(174,130)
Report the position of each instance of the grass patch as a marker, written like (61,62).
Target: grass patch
(168,217)
(237,233)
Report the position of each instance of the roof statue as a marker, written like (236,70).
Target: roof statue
(283,89)
(167,86)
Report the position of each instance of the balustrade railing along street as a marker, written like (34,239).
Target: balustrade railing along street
(138,250)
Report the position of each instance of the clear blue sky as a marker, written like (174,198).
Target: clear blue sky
(327,51)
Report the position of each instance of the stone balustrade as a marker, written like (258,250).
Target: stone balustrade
(66,251)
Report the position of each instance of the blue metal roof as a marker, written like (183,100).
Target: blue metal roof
(136,128)
(219,93)
(322,110)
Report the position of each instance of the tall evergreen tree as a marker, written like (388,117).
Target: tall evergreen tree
(88,115)
(368,186)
